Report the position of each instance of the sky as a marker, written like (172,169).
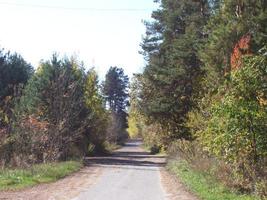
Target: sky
(101,33)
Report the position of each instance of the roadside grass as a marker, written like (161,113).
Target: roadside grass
(203,185)
(12,179)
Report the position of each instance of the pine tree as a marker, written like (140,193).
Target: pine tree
(171,78)
(115,90)
(54,96)
(14,74)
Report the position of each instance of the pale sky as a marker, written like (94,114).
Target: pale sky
(102,33)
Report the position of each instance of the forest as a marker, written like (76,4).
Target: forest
(202,96)
(59,111)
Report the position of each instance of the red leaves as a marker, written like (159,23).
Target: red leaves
(241,48)
(32,122)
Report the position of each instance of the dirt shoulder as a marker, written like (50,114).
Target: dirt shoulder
(138,165)
(63,189)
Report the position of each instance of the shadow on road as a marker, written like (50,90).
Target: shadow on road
(130,155)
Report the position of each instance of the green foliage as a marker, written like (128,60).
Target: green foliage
(59,114)
(204,185)
(52,110)
(133,130)
(155,139)
(98,117)
(236,129)
(191,90)
(15,72)
(171,78)
(240,117)
(54,83)
(225,27)
(93,99)
(115,90)
(43,173)
(136,120)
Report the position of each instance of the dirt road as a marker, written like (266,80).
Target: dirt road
(129,174)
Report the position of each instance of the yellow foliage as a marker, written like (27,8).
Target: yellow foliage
(133,129)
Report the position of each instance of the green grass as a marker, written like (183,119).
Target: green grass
(203,185)
(43,173)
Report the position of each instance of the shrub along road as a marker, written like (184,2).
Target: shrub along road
(129,174)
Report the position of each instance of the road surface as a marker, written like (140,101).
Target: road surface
(129,174)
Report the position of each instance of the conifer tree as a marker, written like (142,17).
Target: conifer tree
(14,74)
(115,90)
(171,77)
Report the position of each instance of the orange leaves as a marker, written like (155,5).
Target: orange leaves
(33,122)
(241,48)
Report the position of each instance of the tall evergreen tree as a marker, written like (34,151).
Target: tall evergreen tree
(54,96)
(14,73)
(115,90)
(171,78)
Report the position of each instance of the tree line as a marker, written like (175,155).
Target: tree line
(59,111)
(203,91)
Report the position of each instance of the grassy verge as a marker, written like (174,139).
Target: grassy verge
(203,185)
(43,173)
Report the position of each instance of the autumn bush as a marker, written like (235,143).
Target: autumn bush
(59,113)
(201,161)
(230,126)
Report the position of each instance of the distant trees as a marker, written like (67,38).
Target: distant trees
(115,91)
(135,119)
